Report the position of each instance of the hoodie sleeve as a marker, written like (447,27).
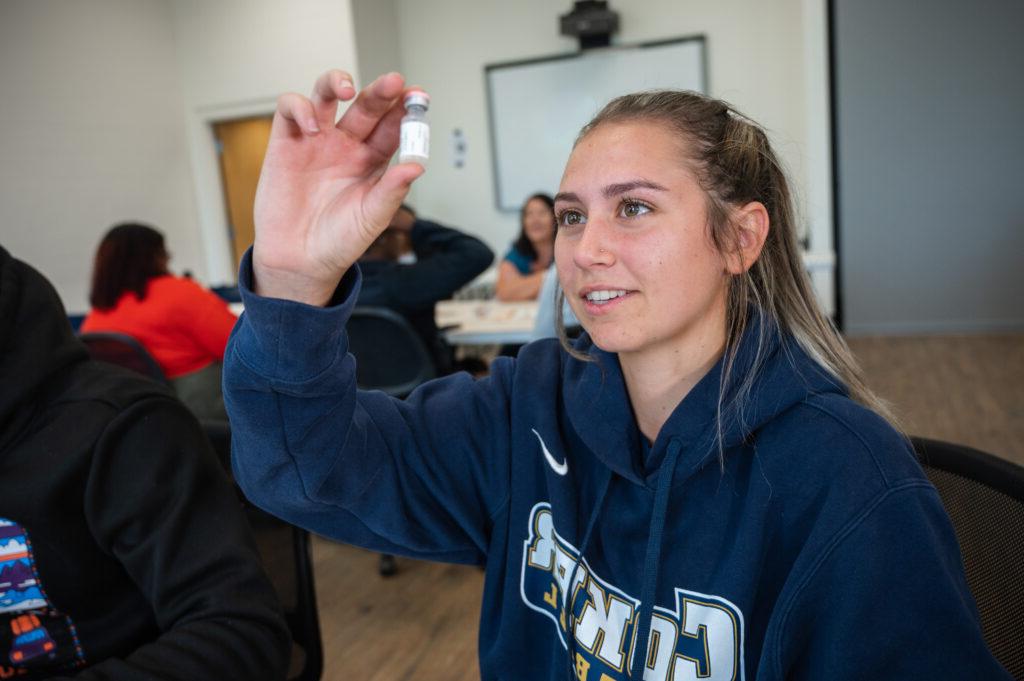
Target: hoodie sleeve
(420,477)
(158,500)
(887,599)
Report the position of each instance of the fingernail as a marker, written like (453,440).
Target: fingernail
(348,83)
(312,126)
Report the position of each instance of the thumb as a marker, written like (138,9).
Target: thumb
(390,190)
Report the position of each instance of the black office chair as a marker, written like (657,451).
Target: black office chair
(390,357)
(984,496)
(123,350)
(229,294)
(285,551)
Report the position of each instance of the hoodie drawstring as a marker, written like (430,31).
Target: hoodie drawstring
(591,523)
(652,559)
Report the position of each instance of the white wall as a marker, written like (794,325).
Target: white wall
(767,58)
(378,51)
(817,202)
(107,105)
(92,134)
(236,57)
(107,109)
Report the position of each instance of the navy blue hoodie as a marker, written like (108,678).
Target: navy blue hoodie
(814,549)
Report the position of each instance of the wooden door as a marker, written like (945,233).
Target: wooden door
(241,145)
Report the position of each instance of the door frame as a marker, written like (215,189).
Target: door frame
(211,206)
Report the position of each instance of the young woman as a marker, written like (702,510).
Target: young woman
(700,487)
(184,326)
(521,273)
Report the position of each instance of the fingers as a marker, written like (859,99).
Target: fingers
(390,190)
(295,114)
(371,106)
(385,137)
(331,87)
(374,117)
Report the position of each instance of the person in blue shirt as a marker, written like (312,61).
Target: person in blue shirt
(699,486)
(521,272)
(548,323)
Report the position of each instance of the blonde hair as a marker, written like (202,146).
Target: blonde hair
(735,164)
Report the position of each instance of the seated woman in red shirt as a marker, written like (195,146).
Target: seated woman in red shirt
(183,325)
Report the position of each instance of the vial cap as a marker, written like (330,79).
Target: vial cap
(417,97)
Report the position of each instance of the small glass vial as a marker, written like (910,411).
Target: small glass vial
(415,143)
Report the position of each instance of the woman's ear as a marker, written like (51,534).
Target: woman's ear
(751,224)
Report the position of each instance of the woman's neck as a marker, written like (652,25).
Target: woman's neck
(658,378)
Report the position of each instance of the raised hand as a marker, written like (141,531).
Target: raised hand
(326,191)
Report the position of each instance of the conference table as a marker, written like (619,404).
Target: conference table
(486,322)
(479,322)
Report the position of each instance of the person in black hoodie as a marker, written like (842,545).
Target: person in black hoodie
(123,551)
(444,261)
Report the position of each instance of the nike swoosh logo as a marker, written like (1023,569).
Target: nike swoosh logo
(560,468)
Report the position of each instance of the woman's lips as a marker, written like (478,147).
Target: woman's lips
(598,301)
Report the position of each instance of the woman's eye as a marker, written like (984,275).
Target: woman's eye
(568,218)
(632,209)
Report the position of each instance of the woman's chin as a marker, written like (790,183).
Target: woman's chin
(610,340)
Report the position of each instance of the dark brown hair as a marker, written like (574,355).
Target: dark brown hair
(523,244)
(735,164)
(129,255)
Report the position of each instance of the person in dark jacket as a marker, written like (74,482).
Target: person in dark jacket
(414,264)
(124,553)
(700,486)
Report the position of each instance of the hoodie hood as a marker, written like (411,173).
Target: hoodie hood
(783,376)
(36,340)
(786,376)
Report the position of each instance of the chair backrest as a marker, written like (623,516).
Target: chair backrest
(390,356)
(285,551)
(123,350)
(229,294)
(984,497)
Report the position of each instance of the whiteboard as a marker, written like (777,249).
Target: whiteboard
(537,107)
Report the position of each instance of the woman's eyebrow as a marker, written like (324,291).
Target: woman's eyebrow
(613,190)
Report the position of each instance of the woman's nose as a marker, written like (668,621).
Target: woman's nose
(594,247)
